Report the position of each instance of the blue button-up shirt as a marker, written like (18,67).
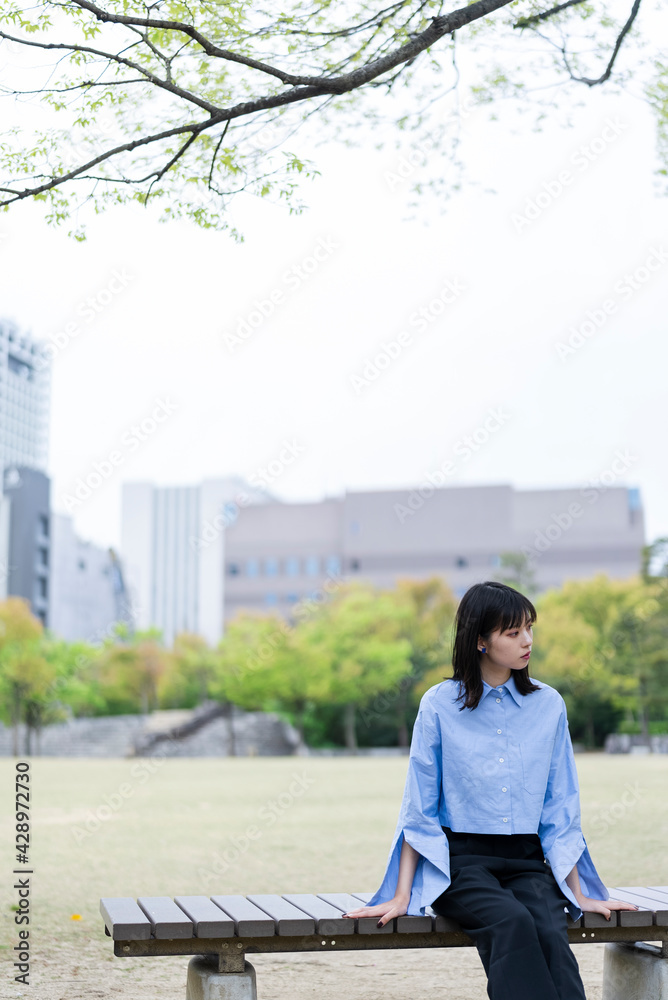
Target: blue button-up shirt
(506,766)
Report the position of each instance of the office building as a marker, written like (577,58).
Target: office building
(25,537)
(173,551)
(280,553)
(24,400)
(88,594)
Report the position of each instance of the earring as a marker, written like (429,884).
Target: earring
(483,650)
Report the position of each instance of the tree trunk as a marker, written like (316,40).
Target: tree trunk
(589,730)
(229,715)
(644,721)
(300,708)
(349,729)
(16,715)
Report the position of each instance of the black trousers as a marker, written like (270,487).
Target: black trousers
(504,895)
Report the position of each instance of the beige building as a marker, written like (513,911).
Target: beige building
(279,553)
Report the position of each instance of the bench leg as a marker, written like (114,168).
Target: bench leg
(206,983)
(635,972)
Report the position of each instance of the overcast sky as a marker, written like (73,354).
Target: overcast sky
(550,328)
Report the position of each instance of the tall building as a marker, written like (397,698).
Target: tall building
(24,438)
(280,553)
(25,377)
(172,546)
(88,594)
(26,532)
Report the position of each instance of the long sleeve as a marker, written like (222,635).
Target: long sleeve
(560,829)
(419,822)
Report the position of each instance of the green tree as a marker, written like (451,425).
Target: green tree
(194,668)
(356,650)
(25,673)
(605,641)
(427,610)
(189,104)
(516,569)
(132,672)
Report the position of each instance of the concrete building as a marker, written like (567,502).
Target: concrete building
(172,546)
(24,423)
(25,376)
(26,537)
(279,553)
(88,594)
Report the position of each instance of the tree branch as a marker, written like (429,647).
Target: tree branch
(121,61)
(618,44)
(525,22)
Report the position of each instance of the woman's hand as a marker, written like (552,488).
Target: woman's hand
(385,911)
(603,906)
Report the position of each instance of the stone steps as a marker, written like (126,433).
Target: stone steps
(209,731)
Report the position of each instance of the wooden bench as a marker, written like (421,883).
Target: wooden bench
(222,930)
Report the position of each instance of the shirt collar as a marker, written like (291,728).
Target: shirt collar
(509,685)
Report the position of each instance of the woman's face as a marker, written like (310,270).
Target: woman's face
(510,649)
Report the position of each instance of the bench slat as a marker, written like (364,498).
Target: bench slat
(345,901)
(442,925)
(249,920)
(167,919)
(659,895)
(124,920)
(289,919)
(598,920)
(208,919)
(405,924)
(649,907)
(328,919)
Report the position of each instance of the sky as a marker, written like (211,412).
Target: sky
(515,330)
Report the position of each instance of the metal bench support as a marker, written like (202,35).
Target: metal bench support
(635,972)
(205,982)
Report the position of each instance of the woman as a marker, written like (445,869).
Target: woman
(489,828)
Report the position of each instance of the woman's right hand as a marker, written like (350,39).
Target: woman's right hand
(396,907)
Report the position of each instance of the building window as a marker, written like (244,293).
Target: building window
(252,567)
(292,598)
(292,566)
(81,564)
(460,562)
(271,600)
(43,555)
(271,566)
(43,525)
(312,565)
(354,527)
(354,564)
(233,569)
(41,586)
(333,565)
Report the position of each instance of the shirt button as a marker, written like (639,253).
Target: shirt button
(500,760)
(504,789)
(498,730)
(498,699)
(505,820)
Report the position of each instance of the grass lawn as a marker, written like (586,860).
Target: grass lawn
(207,826)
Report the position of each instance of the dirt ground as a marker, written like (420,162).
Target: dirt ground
(202,827)
(451,974)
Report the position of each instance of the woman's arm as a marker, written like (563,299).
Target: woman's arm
(594,905)
(398,905)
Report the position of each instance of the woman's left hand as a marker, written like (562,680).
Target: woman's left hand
(603,906)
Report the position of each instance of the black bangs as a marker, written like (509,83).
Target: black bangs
(517,610)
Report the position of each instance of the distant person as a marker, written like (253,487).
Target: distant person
(489,828)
